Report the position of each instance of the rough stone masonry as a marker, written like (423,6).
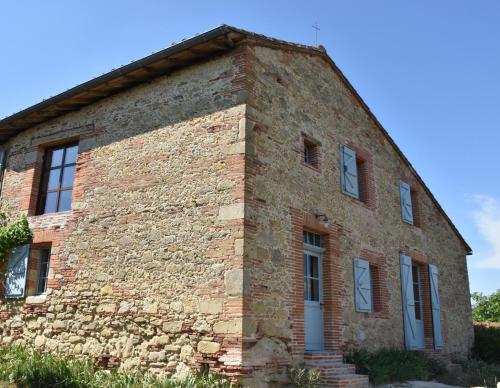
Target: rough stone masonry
(184,245)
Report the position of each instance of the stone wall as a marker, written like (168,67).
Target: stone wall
(184,245)
(145,270)
(297,95)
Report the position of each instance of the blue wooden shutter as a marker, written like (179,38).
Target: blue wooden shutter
(15,283)
(436,306)
(349,171)
(406,207)
(362,285)
(410,325)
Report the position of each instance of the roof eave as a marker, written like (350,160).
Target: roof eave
(182,54)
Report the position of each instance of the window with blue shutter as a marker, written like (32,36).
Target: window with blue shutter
(436,306)
(406,203)
(349,171)
(362,286)
(410,324)
(15,279)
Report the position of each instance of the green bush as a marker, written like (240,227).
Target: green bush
(30,369)
(389,365)
(487,342)
(304,378)
(473,373)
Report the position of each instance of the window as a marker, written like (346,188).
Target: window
(354,174)
(310,155)
(410,212)
(376,288)
(312,266)
(416,292)
(368,286)
(363,286)
(15,275)
(43,271)
(57,179)
(362,167)
(311,277)
(311,238)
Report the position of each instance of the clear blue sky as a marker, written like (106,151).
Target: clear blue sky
(429,70)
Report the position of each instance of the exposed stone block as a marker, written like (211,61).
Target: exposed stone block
(232,212)
(106,308)
(236,282)
(172,327)
(38,299)
(233,326)
(235,148)
(208,347)
(238,247)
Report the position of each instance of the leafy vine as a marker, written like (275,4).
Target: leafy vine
(13,235)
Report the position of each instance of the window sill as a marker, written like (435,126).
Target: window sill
(51,219)
(413,225)
(358,202)
(375,314)
(310,166)
(54,214)
(36,299)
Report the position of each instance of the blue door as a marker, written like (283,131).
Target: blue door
(411,293)
(313,300)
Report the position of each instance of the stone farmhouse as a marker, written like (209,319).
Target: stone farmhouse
(228,204)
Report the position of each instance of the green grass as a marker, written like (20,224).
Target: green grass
(304,377)
(390,365)
(27,368)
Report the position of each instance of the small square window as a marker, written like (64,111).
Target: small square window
(310,153)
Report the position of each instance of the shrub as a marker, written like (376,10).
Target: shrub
(304,378)
(389,365)
(487,342)
(474,373)
(29,369)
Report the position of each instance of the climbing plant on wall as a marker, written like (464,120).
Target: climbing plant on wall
(13,235)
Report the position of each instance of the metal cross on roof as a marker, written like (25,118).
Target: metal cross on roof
(317,29)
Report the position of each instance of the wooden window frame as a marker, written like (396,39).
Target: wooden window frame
(41,288)
(311,158)
(44,181)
